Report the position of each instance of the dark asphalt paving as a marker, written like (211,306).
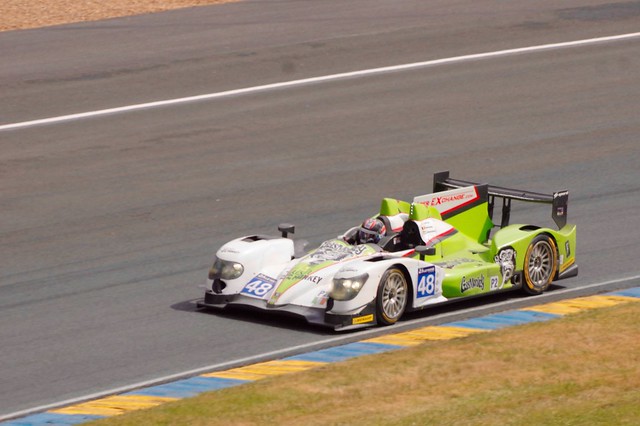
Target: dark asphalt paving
(108,224)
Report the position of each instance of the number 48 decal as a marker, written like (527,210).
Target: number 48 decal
(426,281)
(259,286)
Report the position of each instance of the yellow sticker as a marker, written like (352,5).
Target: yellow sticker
(362,320)
(567,264)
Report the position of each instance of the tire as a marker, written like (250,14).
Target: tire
(540,264)
(393,296)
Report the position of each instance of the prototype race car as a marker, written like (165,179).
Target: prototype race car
(439,248)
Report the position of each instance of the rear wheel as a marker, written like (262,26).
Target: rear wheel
(540,264)
(393,295)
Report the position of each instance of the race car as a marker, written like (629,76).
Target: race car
(439,248)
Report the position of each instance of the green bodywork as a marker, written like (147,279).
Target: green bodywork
(469,256)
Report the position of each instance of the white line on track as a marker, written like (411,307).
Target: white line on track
(307,347)
(314,80)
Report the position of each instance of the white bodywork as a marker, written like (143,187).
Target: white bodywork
(273,279)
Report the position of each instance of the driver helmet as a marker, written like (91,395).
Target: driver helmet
(371,231)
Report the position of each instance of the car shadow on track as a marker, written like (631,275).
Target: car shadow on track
(282,321)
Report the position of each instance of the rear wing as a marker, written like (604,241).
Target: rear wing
(558,200)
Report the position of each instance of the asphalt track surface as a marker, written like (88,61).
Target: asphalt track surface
(108,224)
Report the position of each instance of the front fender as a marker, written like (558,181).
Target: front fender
(415,271)
(256,254)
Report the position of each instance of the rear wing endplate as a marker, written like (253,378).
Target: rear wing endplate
(558,200)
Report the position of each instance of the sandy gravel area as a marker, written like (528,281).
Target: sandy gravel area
(19,14)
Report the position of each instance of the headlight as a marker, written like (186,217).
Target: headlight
(347,288)
(225,269)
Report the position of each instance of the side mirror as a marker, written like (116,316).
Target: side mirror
(286,229)
(425,251)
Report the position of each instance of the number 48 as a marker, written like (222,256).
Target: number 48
(427,283)
(259,288)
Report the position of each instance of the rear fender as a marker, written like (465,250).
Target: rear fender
(518,238)
(566,242)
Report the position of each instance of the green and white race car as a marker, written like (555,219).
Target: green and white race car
(438,248)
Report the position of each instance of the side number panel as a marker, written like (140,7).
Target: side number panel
(426,282)
(260,286)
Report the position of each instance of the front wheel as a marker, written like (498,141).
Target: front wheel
(540,264)
(393,295)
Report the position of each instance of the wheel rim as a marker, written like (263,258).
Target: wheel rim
(394,295)
(540,266)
